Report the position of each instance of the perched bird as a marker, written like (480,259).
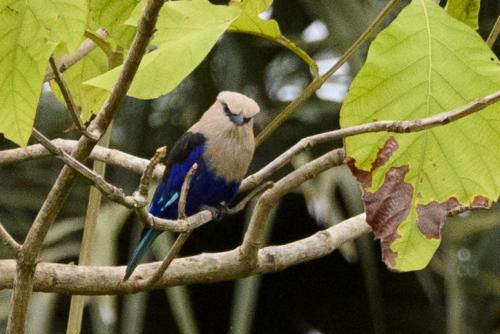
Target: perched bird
(222,144)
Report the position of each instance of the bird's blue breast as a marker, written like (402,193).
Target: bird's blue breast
(207,188)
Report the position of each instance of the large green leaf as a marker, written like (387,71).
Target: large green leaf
(424,63)
(111,15)
(249,22)
(23,59)
(186,32)
(65,20)
(466,11)
(87,98)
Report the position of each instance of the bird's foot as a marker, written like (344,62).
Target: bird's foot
(218,211)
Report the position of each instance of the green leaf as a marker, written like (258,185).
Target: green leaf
(466,11)
(424,63)
(111,15)
(249,22)
(65,20)
(87,98)
(23,60)
(186,32)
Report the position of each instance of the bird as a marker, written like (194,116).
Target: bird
(222,144)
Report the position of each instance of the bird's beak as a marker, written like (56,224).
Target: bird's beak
(238,119)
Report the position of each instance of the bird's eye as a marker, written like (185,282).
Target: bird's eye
(227,111)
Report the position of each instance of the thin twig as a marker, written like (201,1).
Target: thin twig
(317,83)
(8,240)
(181,209)
(27,256)
(84,49)
(68,98)
(495,31)
(148,171)
(172,254)
(177,226)
(182,238)
(203,268)
(243,203)
(201,218)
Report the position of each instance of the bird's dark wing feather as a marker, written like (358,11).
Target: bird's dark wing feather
(186,151)
(182,149)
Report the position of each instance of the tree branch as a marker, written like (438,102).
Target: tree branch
(68,98)
(8,240)
(84,49)
(112,192)
(104,154)
(27,256)
(138,201)
(203,268)
(390,126)
(149,170)
(231,268)
(254,235)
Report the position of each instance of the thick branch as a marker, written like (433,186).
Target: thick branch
(254,235)
(203,268)
(108,155)
(27,257)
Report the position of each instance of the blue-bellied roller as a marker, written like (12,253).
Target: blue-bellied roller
(222,144)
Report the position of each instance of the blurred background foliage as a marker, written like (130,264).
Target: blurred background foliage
(346,292)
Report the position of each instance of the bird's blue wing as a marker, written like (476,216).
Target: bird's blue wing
(183,155)
(186,151)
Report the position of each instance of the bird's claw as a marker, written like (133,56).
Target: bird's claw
(218,211)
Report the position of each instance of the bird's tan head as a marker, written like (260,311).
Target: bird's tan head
(231,114)
(240,109)
(228,129)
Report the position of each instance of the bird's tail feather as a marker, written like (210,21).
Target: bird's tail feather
(147,238)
